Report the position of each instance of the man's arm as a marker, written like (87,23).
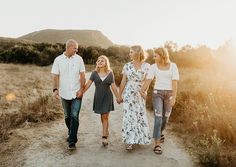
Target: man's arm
(55,81)
(82,80)
(56,86)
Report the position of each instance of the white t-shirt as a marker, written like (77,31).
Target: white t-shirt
(69,70)
(163,77)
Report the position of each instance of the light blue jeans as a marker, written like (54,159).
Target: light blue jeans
(71,112)
(162,110)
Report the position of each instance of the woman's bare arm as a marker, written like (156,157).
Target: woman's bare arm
(87,85)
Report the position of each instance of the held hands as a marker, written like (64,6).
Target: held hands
(119,100)
(79,93)
(143,94)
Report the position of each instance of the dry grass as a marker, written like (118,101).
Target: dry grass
(89,67)
(25,96)
(206,110)
(205,113)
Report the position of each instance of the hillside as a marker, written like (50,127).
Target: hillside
(6,40)
(84,37)
(6,43)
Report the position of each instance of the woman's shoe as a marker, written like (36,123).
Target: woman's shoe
(157,149)
(162,139)
(129,147)
(104,142)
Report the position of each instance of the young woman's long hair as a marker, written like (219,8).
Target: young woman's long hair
(163,52)
(107,67)
(139,51)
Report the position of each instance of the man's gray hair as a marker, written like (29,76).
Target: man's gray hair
(71,41)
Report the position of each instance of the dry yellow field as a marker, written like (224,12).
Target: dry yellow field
(204,115)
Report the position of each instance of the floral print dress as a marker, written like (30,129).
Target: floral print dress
(135,129)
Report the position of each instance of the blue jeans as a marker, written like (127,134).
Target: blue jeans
(71,112)
(162,110)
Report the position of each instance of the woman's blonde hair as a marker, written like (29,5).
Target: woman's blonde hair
(107,67)
(139,51)
(163,52)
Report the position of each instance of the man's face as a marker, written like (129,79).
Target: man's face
(72,49)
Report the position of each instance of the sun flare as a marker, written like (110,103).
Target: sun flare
(10,97)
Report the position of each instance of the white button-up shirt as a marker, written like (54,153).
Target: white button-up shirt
(69,70)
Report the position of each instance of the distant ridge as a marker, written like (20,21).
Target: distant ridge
(13,40)
(84,37)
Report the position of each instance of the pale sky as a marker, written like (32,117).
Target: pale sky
(127,22)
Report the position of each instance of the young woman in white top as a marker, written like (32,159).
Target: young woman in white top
(164,92)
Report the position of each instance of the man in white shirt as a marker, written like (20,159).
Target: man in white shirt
(68,81)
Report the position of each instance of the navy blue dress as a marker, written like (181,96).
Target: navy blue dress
(103,97)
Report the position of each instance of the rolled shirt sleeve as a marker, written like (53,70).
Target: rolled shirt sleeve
(55,67)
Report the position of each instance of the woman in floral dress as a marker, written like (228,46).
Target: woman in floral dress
(135,129)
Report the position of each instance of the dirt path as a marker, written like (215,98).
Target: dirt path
(45,145)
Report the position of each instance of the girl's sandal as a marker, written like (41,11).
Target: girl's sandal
(162,139)
(157,149)
(104,142)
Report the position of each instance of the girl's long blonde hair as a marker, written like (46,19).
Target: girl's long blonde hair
(139,51)
(163,52)
(107,67)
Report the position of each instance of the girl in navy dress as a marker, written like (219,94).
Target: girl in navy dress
(103,103)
